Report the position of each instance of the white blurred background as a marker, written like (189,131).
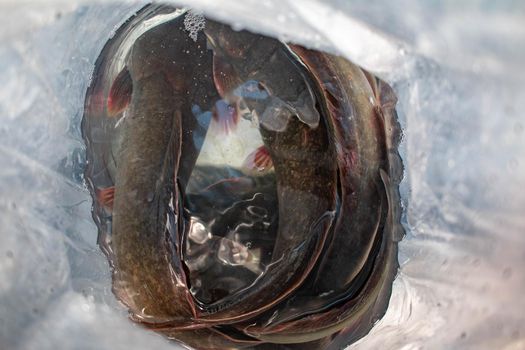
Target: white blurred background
(458,70)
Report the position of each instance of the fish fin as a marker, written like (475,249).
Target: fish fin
(120,93)
(393,221)
(259,160)
(224,76)
(226,116)
(105,197)
(333,101)
(383,92)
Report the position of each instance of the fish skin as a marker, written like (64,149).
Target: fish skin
(148,275)
(105,197)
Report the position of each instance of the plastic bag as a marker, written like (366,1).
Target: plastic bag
(456,71)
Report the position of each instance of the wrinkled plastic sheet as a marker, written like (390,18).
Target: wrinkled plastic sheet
(457,68)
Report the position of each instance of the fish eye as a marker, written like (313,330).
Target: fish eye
(242,199)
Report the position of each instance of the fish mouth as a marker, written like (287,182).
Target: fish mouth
(246,190)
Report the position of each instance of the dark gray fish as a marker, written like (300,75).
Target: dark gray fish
(302,155)
(362,247)
(231,211)
(163,78)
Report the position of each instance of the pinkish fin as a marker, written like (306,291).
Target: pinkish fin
(120,93)
(226,116)
(259,160)
(105,197)
(224,76)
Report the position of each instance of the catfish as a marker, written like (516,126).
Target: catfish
(168,76)
(296,138)
(361,244)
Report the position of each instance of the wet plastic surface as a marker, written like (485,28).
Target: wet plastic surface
(456,70)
